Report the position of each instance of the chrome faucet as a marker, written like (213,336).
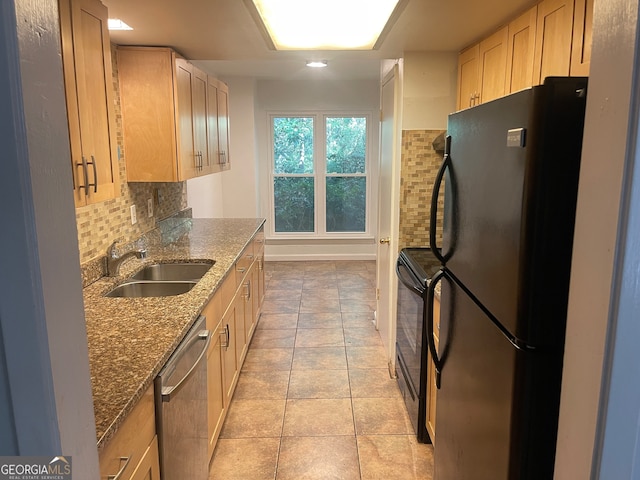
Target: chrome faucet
(114,260)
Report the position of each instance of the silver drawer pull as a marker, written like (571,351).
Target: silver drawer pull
(124,462)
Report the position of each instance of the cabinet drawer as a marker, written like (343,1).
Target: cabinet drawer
(131,441)
(258,243)
(244,263)
(227,291)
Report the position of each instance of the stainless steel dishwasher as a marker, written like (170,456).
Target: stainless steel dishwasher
(181,408)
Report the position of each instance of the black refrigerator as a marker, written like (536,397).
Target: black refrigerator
(510,178)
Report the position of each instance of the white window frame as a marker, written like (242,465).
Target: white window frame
(320,175)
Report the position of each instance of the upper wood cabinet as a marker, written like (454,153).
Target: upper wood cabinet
(553,39)
(493,65)
(481,70)
(167,116)
(468,88)
(218,124)
(86,56)
(520,51)
(582,28)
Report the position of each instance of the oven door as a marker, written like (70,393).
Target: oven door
(410,365)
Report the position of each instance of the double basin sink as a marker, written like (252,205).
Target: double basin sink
(162,280)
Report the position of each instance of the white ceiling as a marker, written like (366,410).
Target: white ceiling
(224,40)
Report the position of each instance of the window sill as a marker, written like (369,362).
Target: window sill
(298,240)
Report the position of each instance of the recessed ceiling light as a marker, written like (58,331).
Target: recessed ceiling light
(325,24)
(317,64)
(117,24)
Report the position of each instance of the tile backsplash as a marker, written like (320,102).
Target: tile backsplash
(419,166)
(102,223)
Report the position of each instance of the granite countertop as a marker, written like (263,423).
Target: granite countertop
(130,339)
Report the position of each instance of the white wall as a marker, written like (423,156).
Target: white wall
(240,184)
(204,196)
(604,151)
(233,193)
(428,89)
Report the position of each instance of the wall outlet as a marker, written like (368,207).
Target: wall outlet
(134,218)
(150,207)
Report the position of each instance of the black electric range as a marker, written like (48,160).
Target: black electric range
(414,267)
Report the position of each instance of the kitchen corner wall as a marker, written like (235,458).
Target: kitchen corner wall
(428,96)
(102,223)
(419,166)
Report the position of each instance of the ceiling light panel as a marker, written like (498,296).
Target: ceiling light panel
(325,24)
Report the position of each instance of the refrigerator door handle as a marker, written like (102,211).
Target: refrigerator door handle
(438,362)
(446,163)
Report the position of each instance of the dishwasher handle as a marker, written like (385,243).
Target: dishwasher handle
(169,392)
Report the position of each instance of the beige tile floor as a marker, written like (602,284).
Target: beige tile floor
(314,399)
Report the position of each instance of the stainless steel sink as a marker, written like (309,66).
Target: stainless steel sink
(192,271)
(139,288)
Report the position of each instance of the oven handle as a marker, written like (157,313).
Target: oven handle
(438,362)
(413,286)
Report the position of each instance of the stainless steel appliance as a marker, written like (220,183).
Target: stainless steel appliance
(511,168)
(181,408)
(414,267)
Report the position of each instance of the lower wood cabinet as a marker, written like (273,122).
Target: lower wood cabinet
(132,454)
(148,468)
(432,391)
(232,315)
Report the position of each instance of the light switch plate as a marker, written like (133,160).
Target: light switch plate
(134,218)
(150,207)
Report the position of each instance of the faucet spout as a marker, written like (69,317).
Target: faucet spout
(114,261)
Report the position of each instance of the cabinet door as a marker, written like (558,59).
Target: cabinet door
(149,466)
(215,387)
(229,357)
(213,146)
(90,100)
(582,26)
(432,390)
(147,97)
(553,39)
(468,77)
(199,109)
(223,126)
(493,65)
(255,293)
(242,307)
(184,118)
(520,51)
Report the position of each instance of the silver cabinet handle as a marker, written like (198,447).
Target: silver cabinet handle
(247,294)
(225,332)
(85,175)
(123,467)
(95,175)
(228,333)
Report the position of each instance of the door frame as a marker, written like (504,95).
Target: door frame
(388,215)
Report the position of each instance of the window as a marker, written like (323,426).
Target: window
(320,174)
